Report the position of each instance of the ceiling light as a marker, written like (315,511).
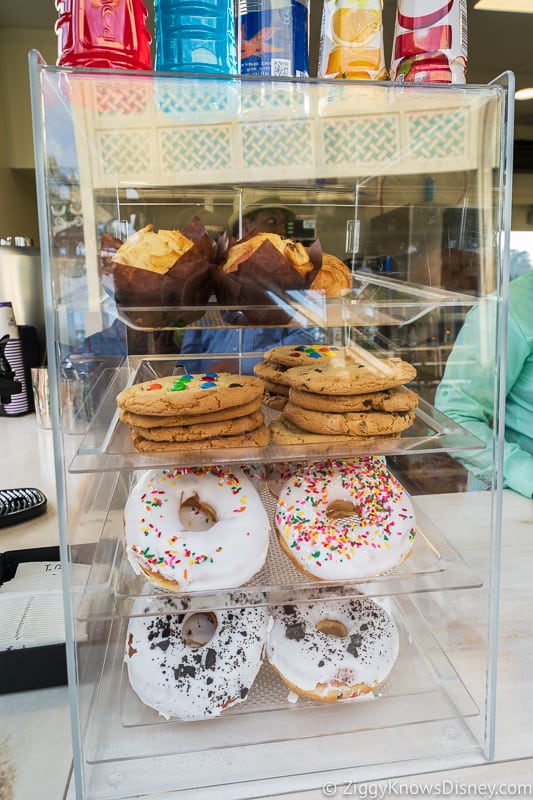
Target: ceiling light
(525,6)
(524,94)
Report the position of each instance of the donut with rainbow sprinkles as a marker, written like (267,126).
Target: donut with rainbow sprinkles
(345,520)
(166,542)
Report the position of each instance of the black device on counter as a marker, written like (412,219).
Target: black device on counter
(19,505)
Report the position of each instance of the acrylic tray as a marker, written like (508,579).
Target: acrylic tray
(107,446)
(423,686)
(373,300)
(113,586)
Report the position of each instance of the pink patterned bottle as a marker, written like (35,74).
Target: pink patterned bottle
(105,34)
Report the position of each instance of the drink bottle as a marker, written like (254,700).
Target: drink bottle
(274,37)
(195,36)
(351,40)
(430,41)
(105,34)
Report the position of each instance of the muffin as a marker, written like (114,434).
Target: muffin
(262,272)
(162,278)
(334,278)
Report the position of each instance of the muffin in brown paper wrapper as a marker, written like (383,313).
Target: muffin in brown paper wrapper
(265,283)
(150,299)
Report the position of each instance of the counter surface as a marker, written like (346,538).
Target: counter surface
(35,732)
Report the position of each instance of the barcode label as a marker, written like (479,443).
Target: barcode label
(281,67)
(463,27)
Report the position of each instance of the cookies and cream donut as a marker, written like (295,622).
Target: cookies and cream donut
(345,520)
(193,665)
(333,650)
(164,544)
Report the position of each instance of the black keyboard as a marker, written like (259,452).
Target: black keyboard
(18,505)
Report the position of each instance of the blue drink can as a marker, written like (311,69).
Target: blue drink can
(274,38)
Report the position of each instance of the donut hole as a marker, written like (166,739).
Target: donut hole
(332,627)
(195,515)
(199,628)
(343,509)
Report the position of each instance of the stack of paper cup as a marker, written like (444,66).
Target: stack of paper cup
(13,352)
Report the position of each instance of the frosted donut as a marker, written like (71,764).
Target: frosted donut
(279,473)
(197,528)
(345,520)
(335,650)
(256,473)
(194,665)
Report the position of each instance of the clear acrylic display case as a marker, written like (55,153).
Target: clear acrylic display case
(409,185)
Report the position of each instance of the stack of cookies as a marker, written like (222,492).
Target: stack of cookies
(337,393)
(194,412)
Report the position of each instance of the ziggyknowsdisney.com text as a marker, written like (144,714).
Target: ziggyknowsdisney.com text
(445,788)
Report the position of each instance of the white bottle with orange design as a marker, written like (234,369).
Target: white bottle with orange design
(351,40)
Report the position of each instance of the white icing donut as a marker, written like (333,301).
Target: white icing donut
(279,473)
(376,536)
(193,681)
(172,552)
(256,473)
(353,658)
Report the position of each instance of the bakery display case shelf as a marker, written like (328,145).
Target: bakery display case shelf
(373,301)
(113,587)
(350,163)
(125,735)
(107,444)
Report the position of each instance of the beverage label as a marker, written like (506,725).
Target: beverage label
(274,38)
(430,41)
(103,33)
(351,40)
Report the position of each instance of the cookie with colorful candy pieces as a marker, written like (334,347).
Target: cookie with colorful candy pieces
(193,394)
(303,354)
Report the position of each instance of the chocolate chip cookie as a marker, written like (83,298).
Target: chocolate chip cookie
(397,398)
(352,423)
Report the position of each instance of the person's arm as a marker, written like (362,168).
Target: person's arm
(195,342)
(303,336)
(467,391)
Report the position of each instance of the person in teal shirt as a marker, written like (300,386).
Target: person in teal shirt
(466,392)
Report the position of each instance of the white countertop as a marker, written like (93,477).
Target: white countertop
(35,728)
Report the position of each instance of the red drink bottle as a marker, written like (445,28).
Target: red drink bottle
(103,34)
(430,41)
